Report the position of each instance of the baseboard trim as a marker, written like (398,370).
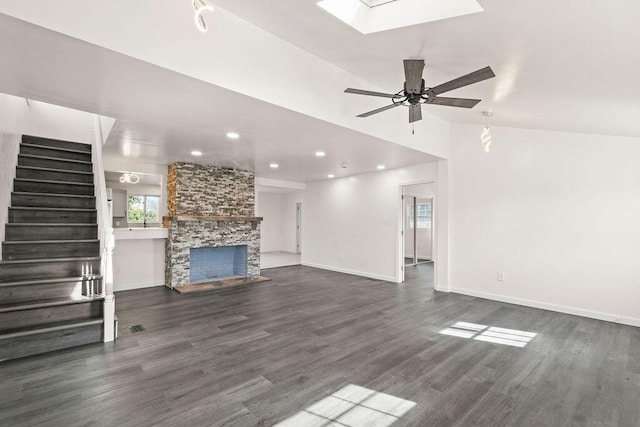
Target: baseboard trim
(131,287)
(352,272)
(631,321)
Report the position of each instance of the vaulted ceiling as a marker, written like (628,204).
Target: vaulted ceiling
(274,71)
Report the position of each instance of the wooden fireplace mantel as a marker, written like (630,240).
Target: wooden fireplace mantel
(254,220)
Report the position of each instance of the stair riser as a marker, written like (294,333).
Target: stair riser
(52,152)
(54,188)
(42,270)
(54,175)
(47,291)
(67,217)
(12,251)
(13,348)
(56,143)
(54,164)
(59,232)
(41,316)
(25,200)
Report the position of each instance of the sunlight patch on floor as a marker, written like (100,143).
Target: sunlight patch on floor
(492,334)
(352,406)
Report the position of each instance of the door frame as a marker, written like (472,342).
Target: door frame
(401,240)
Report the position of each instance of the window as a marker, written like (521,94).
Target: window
(143,209)
(424,215)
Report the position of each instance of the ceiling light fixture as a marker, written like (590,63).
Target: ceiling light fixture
(485,136)
(233,135)
(381,167)
(199,7)
(331,175)
(274,166)
(196,153)
(320,153)
(129,178)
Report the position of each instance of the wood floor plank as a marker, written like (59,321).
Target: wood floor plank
(260,354)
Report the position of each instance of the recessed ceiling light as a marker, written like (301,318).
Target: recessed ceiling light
(233,135)
(331,175)
(320,153)
(196,153)
(381,167)
(273,166)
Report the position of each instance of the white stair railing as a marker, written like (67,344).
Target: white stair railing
(105,230)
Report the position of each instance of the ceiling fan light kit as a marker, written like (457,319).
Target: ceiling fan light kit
(415,93)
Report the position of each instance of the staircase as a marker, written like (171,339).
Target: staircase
(51,292)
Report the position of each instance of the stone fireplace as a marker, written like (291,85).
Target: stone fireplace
(213,233)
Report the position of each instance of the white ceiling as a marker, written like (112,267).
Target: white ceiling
(163,116)
(569,66)
(565,65)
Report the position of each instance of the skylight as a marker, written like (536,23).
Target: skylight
(374,3)
(371,16)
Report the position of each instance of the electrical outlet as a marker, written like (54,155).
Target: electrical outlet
(500,276)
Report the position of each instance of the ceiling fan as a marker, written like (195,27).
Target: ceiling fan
(415,93)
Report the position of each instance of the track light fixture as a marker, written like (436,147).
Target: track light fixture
(199,7)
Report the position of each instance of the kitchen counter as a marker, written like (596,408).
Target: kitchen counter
(138,233)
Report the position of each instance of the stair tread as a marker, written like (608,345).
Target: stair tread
(69,150)
(49,281)
(28,261)
(48,181)
(39,168)
(50,224)
(43,303)
(31,242)
(54,158)
(31,208)
(48,327)
(27,193)
(45,138)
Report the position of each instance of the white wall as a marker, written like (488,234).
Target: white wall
(138,264)
(558,213)
(353,224)
(46,120)
(270,207)
(9,147)
(277,230)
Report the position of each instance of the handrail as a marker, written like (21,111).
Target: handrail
(105,229)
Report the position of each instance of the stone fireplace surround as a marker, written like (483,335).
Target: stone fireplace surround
(209,206)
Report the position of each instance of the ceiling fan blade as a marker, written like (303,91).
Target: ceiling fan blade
(369,93)
(415,113)
(413,75)
(379,110)
(466,80)
(454,102)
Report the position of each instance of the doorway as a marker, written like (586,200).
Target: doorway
(281,227)
(417,232)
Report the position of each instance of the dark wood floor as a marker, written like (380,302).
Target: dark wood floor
(259,354)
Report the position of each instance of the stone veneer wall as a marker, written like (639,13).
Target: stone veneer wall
(208,191)
(184,235)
